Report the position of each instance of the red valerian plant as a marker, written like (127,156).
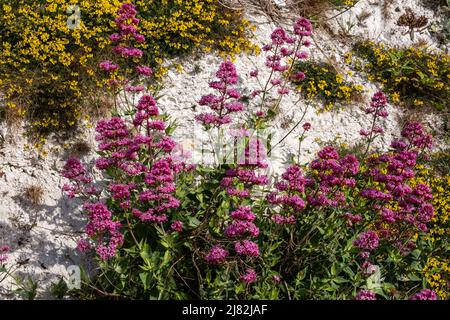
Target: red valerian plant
(136,154)
(345,226)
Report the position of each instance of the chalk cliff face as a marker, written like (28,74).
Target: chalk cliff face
(43,235)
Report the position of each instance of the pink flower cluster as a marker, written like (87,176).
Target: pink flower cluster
(289,195)
(115,141)
(4,249)
(76,172)
(415,136)
(103,229)
(333,174)
(216,255)
(366,295)
(127,26)
(244,176)
(247,248)
(146,109)
(378,110)
(283,45)
(393,171)
(283,51)
(177,226)
(242,224)
(225,102)
(249,276)
(240,180)
(158,198)
(352,219)
(303,27)
(241,227)
(368,240)
(108,66)
(120,192)
(425,294)
(378,105)
(139,152)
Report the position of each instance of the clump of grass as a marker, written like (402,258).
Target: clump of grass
(440,29)
(413,77)
(319,8)
(363,16)
(324,83)
(80,148)
(59,289)
(435,5)
(34,194)
(11,116)
(440,162)
(386,8)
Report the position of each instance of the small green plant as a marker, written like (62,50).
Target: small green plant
(27,287)
(412,76)
(436,4)
(324,83)
(441,30)
(59,289)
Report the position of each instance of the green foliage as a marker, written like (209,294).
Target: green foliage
(27,287)
(325,83)
(413,77)
(59,289)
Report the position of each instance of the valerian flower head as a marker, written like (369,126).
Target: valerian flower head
(303,27)
(425,294)
(366,295)
(368,240)
(249,276)
(216,255)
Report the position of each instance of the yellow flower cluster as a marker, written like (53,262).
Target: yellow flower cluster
(440,226)
(175,26)
(343,3)
(323,82)
(437,269)
(412,76)
(47,59)
(349,2)
(437,273)
(50,49)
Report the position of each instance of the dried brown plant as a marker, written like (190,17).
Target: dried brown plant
(34,194)
(410,20)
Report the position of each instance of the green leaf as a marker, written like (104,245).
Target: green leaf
(333,269)
(193,222)
(348,271)
(199,197)
(340,280)
(413,277)
(145,279)
(301,275)
(167,258)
